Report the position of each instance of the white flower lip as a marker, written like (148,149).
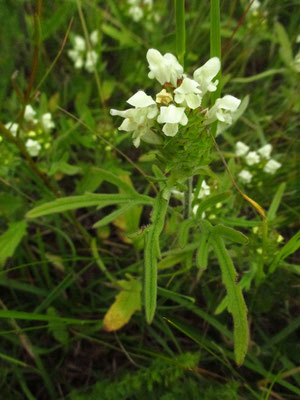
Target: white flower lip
(140,99)
(33,147)
(252,158)
(245,176)
(171,115)
(29,113)
(188,93)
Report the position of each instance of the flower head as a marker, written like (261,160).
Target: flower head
(29,114)
(205,74)
(241,149)
(12,127)
(252,158)
(188,93)
(91,61)
(164,68)
(140,119)
(265,151)
(271,167)
(79,43)
(245,176)
(171,116)
(222,109)
(47,122)
(33,147)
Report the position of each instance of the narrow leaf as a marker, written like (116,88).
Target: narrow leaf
(10,240)
(231,234)
(86,200)
(276,202)
(211,201)
(202,251)
(236,302)
(151,254)
(115,214)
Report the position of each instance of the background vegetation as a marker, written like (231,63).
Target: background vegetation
(58,274)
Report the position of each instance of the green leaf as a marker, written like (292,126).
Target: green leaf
(289,248)
(184,232)
(126,303)
(202,251)
(212,200)
(86,200)
(236,302)
(276,202)
(115,214)
(57,328)
(231,234)
(10,240)
(151,254)
(285,45)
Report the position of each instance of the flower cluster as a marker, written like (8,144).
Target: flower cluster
(260,157)
(137,8)
(81,55)
(179,97)
(35,131)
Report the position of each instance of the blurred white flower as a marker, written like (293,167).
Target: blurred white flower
(171,116)
(164,97)
(252,158)
(271,167)
(255,5)
(204,190)
(188,93)
(94,37)
(79,43)
(76,57)
(33,147)
(164,68)
(136,13)
(298,39)
(47,122)
(245,176)
(265,151)
(205,74)
(222,110)
(91,61)
(12,127)
(241,149)
(140,119)
(29,114)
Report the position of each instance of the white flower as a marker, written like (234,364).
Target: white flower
(271,167)
(241,149)
(255,5)
(29,114)
(79,43)
(245,176)
(252,158)
(164,68)
(298,39)
(222,110)
(205,74)
(164,97)
(136,13)
(188,93)
(47,122)
(91,61)
(171,116)
(33,147)
(204,190)
(76,57)
(12,127)
(94,37)
(140,119)
(265,151)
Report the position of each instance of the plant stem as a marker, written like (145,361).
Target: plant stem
(180,30)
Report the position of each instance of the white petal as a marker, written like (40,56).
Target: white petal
(29,113)
(170,129)
(127,126)
(170,114)
(184,120)
(140,99)
(79,43)
(193,100)
(188,86)
(265,151)
(209,70)
(152,112)
(229,102)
